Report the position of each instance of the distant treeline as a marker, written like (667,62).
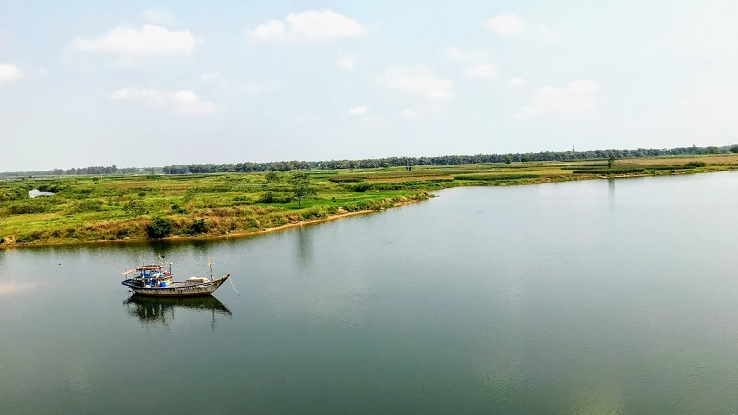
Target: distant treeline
(444,160)
(92,170)
(384,162)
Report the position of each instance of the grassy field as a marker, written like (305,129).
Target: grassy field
(91,208)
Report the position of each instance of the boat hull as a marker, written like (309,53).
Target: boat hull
(177,289)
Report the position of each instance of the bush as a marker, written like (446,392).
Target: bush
(28,207)
(275,197)
(87,206)
(362,187)
(30,237)
(135,207)
(13,193)
(198,226)
(694,164)
(158,228)
(50,187)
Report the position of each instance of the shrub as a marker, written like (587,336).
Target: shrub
(362,187)
(158,228)
(50,187)
(30,237)
(13,193)
(135,207)
(87,206)
(694,164)
(198,226)
(274,197)
(28,207)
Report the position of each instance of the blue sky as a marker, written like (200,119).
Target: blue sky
(152,83)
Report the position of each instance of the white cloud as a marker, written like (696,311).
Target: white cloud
(308,26)
(506,24)
(9,72)
(419,81)
(183,102)
(410,114)
(359,110)
(578,97)
(150,40)
(517,81)
(346,62)
(473,55)
(162,17)
(548,34)
(211,77)
(482,71)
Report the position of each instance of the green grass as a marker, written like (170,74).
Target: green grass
(123,206)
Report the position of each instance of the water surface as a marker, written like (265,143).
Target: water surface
(605,297)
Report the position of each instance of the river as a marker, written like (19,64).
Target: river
(608,297)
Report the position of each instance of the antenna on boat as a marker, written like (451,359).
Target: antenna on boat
(210,264)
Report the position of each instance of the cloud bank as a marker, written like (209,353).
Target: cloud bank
(308,26)
(150,40)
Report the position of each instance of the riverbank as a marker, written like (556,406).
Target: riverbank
(133,208)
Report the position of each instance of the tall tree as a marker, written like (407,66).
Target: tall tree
(300,186)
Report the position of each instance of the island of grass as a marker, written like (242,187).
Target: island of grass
(136,207)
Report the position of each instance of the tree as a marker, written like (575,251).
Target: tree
(610,161)
(508,159)
(300,186)
(271,177)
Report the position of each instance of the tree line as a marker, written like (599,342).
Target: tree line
(445,160)
(385,162)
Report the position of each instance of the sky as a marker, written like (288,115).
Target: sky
(142,83)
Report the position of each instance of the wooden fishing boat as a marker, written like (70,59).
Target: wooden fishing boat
(150,280)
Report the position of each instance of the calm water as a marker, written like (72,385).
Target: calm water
(602,297)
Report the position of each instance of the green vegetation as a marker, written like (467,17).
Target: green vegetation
(158,228)
(119,207)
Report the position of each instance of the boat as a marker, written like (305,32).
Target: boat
(153,281)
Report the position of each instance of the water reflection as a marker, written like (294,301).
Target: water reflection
(162,310)
(304,247)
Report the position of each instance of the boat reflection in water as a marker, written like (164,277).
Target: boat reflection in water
(161,310)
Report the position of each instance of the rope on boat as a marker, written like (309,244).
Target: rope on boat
(234,287)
